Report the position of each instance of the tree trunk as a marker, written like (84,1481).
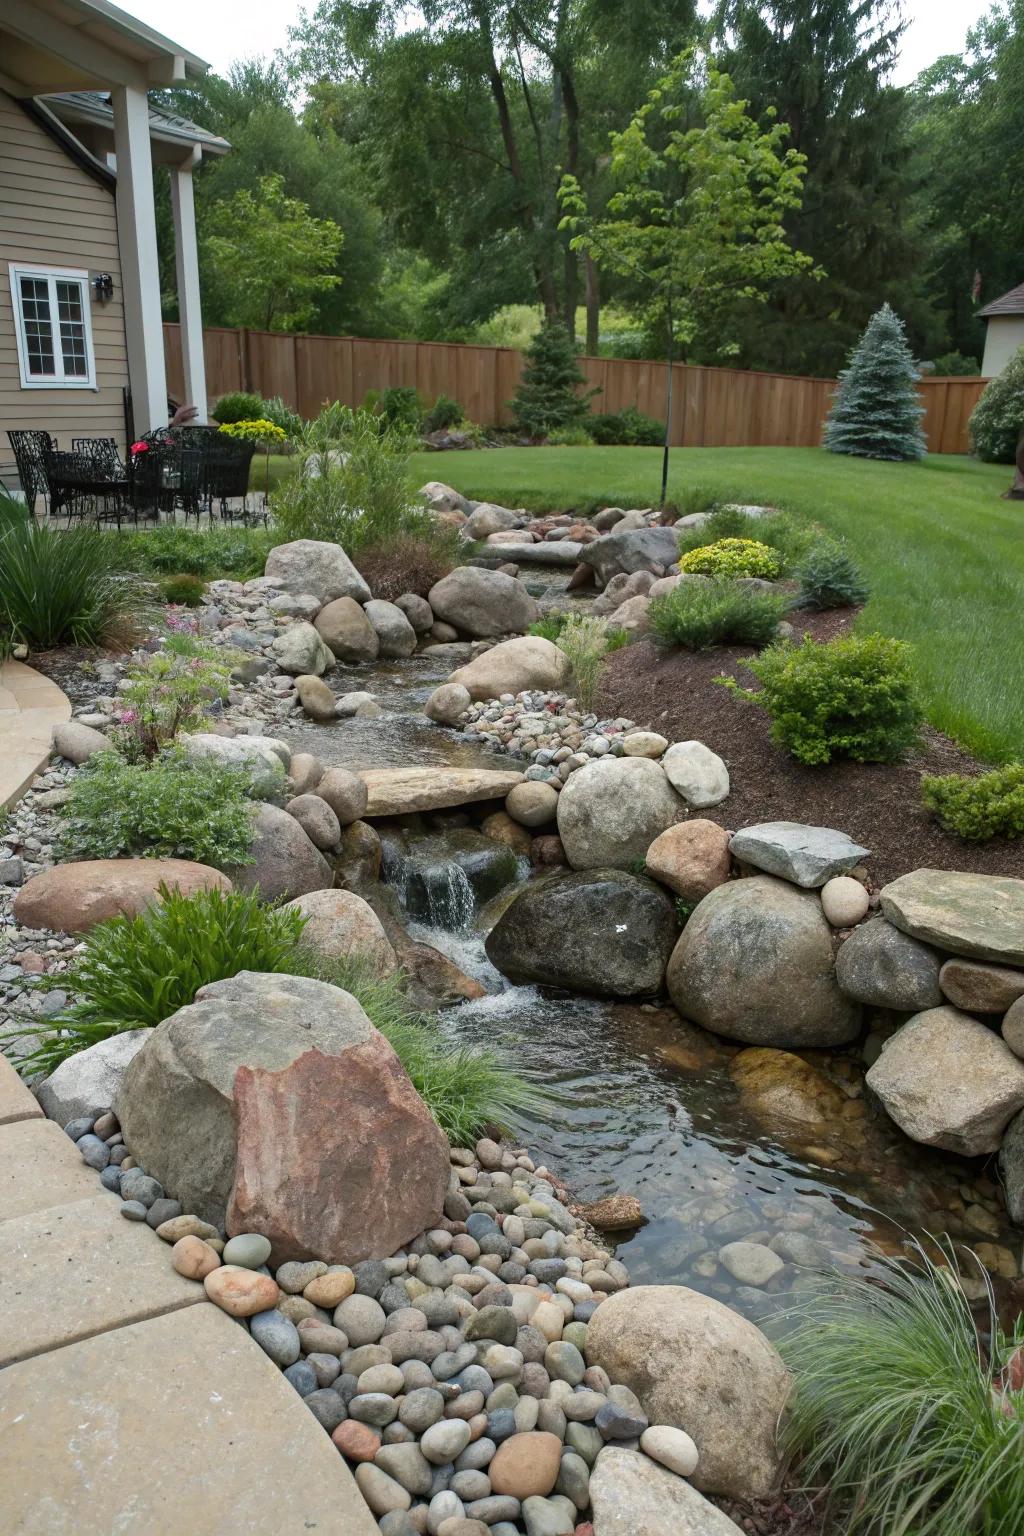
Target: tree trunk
(593,307)
(1016,491)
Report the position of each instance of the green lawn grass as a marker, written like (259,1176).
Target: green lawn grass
(944,555)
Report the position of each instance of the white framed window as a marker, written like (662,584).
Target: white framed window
(53,326)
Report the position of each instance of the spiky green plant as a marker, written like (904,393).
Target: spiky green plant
(915,1426)
(584,639)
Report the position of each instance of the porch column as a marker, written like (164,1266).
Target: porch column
(140,270)
(186,261)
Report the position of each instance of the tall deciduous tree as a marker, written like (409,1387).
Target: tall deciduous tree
(697,215)
(272,258)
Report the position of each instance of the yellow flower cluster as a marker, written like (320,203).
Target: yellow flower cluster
(261,431)
(733,557)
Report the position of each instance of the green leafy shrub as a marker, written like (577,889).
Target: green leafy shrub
(584,639)
(281,415)
(170,691)
(549,395)
(185,590)
(830,578)
(732,557)
(789,538)
(956,365)
(398,406)
(209,552)
(627,429)
(444,413)
(569,437)
(698,615)
(237,405)
(63,588)
(991,805)
(135,972)
(166,809)
(997,420)
(849,697)
(909,1412)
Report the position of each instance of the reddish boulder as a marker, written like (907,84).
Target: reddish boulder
(72,898)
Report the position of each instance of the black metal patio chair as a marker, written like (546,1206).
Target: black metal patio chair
(30,450)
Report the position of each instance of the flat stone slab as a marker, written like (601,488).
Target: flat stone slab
(30,706)
(981,916)
(16,1101)
(177,1424)
(807,856)
(399,791)
(565,552)
(76,1270)
(41,1168)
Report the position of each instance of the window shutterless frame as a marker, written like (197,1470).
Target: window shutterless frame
(53,326)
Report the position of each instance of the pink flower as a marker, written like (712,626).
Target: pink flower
(140,448)
(128,717)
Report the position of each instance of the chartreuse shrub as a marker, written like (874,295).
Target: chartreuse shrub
(166,809)
(850,697)
(732,557)
(135,972)
(788,536)
(991,805)
(700,614)
(909,1411)
(830,578)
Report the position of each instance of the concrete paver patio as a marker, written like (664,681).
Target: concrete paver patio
(30,707)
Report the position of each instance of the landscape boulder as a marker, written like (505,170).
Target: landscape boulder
(344,792)
(263,759)
(1011,1168)
(488,518)
(532,804)
(754,963)
(72,898)
(806,856)
(299,649)
(395,634)
(78,742)
(611,810)
(483,603)
(949,1081)
(599,931)
(285,862)
(87,1083)
(346,631)
(341,926)
(514,666)
(316,819)
(884,968)
(696,773)
(630,1493)
(691,858)
(417,610)
(400,791)
(272,1101)
(317,699)
(700,1367)
(444,498)
(978,987)
(980,916)
(634,549)
(310,565)
(447,703)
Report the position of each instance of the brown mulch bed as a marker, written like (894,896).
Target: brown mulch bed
(877,804)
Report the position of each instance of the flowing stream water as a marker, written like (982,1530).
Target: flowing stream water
(643,1102)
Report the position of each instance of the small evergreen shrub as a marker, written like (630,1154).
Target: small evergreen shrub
(237,405)
(991,805)
(876,411)
(185,589)
(997,420)
(830,578)
(732,557)
(398,406)
(549,395)
(444,413)
(167,809)
(627,429)
(698,615)
(850,697)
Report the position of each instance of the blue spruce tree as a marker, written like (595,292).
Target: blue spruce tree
(877,411)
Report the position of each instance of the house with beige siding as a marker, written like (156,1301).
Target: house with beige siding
(81,337)
(1004,330)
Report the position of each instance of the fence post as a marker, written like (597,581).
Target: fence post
(244,360)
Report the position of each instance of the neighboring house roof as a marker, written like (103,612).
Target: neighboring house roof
(94,107)
(1011,303)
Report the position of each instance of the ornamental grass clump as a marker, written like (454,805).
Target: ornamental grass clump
(698,615)
(991,805)
(732,557)
(135,972)
(910,1412)
(586,641)
(853,697)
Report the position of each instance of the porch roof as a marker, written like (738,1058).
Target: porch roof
(49,46)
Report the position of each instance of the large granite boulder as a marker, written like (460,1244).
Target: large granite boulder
(697,1365)
(89,1082)
(611,810)
(637,549)
(487,518)
(72,898)
(599,931)
(285,861)
(444,498)
(630,1494)
(395,634)
(696,773)
(263,759)
(347,632)
(754,963)
(807,856)
(309,565)
(884,968)
(949,1081)
(514,666)
(1011,1167)
(691,858)
(300,651)
(341,926)
(978,987)
(981,916)
(483,603)
(271,1102)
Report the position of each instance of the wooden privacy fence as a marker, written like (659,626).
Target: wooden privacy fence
(711,407)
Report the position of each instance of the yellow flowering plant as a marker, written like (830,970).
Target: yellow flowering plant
(261,431)
(733,557)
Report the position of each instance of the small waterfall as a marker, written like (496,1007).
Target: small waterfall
(436,891)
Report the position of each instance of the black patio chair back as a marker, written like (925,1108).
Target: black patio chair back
(69,481)
(30,450)
(148,483)
(103,453)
